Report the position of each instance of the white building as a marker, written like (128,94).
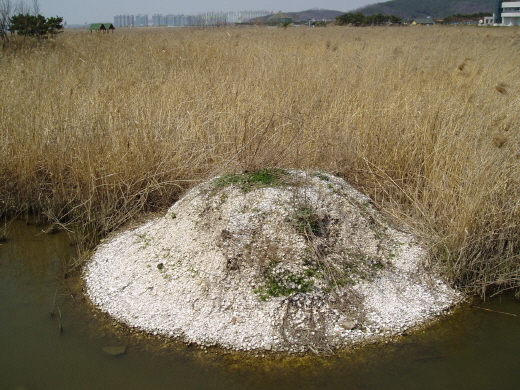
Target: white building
(510,13)
(507,13)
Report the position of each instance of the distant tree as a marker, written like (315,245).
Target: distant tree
(359,19)
(54,25)
(320,23)
(36,7)
(396,19)
(36,25)
(379,20)
(355,19)
(6,10)
(343,20)
(464,17)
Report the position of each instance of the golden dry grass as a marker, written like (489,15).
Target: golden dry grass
(97,129)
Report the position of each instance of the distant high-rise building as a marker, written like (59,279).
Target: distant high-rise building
(129,20)
(141,21)
(203,19)
(157,19)
(124,21)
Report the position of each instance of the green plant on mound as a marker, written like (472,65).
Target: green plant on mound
(321,176)
(322,274)
(346,270)
(307,221)
(282,282)
(247,181)
(145,240)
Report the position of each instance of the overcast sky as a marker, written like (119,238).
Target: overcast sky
(91,11)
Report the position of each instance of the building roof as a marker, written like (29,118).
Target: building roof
(97,26)
(102,26)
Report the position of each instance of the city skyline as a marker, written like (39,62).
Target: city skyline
(181,20)
(80,12)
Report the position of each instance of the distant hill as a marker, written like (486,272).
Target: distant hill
(317,14)
(406,9)
(410,9)
(304,16)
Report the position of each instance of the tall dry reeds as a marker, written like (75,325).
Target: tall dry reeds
(97,129)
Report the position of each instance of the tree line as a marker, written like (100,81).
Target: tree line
(436,9)
(463,17)
(359,19)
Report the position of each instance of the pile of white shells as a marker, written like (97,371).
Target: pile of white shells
(302,263)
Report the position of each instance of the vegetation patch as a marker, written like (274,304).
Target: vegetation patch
(346,270)
(283,282)
(321,176)
(307,221)
(324,274)
(145,240)
(249,180)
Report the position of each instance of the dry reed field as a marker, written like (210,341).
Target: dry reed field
(98,129)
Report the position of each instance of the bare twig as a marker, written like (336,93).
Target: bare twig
(494,311)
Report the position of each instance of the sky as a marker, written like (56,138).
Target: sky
(92,11)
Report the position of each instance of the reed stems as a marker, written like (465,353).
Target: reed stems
(99,129)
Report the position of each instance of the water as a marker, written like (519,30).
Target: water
(471,349)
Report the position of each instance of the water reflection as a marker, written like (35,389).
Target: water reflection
(472,349)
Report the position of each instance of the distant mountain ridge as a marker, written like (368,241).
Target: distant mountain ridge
(315,13)
(304,16)
(410,9)
(406,9)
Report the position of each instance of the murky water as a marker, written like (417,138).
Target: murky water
(472,349)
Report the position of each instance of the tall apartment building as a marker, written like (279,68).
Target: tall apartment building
(158,20)
(124,21)
(141,21)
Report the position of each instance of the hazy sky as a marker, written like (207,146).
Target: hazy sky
(90,11)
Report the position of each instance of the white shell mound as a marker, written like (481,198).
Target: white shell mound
(304,263)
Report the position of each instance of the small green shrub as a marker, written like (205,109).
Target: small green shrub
(284,283)
(266,177)
(247,181)
(307,221)
(228,179)
(145,240)
(321,176)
